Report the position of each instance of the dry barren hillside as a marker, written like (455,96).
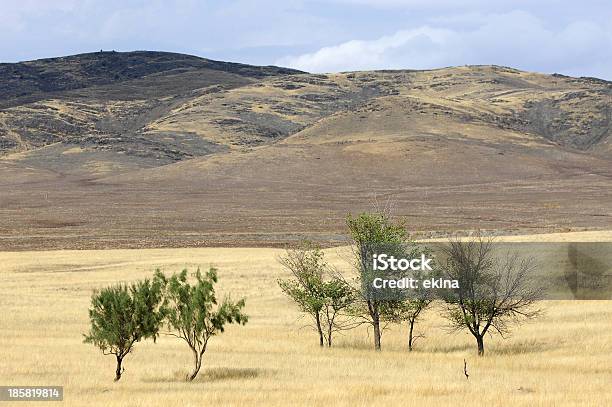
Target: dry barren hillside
(155,149)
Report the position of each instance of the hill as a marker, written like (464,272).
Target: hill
(158,149)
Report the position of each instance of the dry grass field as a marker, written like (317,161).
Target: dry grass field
(562,359)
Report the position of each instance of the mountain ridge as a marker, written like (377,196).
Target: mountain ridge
(106,67)
(162,82)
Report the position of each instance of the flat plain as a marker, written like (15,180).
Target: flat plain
(562,359)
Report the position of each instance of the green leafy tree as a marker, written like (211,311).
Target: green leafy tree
(338,300)
(317,291)
(123,315)
(411,307)
(371,232)
(193,313)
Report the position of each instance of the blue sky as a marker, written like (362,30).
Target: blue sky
(569,37)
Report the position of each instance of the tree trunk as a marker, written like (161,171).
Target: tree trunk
(377,334)
(198,364)
(410,335)
(319,329)
(480,342)
(119,369)
(329,335)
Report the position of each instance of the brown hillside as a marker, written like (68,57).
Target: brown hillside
(202,153)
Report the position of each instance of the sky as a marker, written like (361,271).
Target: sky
(568,37)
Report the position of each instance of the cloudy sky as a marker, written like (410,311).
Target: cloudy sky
(570,37)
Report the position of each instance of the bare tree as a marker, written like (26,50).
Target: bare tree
(493,292)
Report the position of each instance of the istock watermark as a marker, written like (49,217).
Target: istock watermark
(555,270)
(383,262)
(413,283)
(401,277)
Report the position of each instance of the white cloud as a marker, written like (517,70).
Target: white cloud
(516,39)
(548,35)
(420,46)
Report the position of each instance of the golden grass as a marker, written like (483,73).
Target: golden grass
(562,359)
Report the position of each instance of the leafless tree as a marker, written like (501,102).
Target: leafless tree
(494,292)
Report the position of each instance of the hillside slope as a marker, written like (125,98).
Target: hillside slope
(163,149)
(102,101)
